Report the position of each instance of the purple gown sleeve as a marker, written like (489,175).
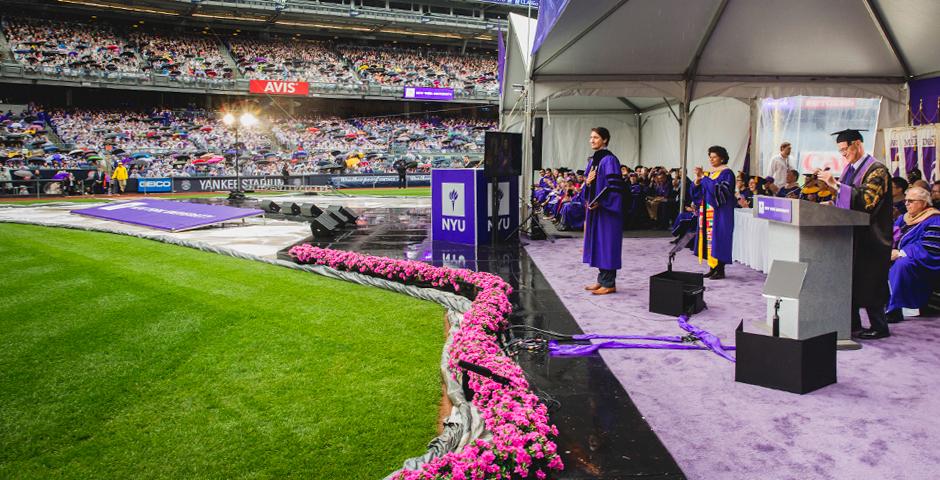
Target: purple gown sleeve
(610,168)
(926,251)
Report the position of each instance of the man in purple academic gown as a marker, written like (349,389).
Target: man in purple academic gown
(916,254)
(603,228)
(863,186)
(716,215)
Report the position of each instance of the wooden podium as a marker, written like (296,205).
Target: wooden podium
(819,236)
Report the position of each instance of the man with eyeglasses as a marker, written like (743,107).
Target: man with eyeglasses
(863,186)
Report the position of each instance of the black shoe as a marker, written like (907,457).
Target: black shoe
(873,335)
(719,272)
(711,273)
(895,316)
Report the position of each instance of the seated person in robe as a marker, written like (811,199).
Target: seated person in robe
(790,188)
(915,267)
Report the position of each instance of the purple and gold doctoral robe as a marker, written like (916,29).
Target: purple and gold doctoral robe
(603,227)
(864,187)
(914,273)
(716,216)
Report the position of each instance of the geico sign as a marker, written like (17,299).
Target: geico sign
(155,183)
(278,87)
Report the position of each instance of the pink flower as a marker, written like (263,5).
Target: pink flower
(518,421)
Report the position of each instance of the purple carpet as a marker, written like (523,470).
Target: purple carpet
(882,420)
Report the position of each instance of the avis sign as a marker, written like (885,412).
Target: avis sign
(278,87)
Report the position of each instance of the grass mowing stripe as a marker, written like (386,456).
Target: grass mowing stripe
(128,358)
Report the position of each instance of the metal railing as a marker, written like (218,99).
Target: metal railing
(144,80)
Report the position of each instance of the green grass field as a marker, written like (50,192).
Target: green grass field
(126,358)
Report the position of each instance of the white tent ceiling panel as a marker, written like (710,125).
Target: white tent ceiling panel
(628,89)
(565,139)
(585,103)
(647,35)
(917,38)
(798,37)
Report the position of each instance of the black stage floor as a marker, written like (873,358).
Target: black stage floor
(601,432)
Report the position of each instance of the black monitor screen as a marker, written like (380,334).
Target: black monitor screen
(503,154)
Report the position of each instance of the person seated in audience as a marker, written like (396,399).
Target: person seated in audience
(935,194)
(790,188)
(921,183)
(898,187)
(914,175)
(570,213)
(659,193)
(770,186)
(916,254)
(755,187)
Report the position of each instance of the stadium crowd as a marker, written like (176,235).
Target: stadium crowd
(76,48)
(165,143)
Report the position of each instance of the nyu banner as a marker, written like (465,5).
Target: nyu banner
(428,93)
(167,215)
(776,209)
(461,206)
(453,205)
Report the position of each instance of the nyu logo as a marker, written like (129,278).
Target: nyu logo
(452,199)
(453,204)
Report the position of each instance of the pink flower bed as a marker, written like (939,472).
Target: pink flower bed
(521,444)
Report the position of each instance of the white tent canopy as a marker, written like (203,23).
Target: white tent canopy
(681,51)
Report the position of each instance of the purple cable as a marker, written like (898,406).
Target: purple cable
(709,341)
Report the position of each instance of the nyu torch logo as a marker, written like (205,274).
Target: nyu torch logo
(453,206)
(453,198)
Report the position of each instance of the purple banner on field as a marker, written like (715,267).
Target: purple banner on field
(453,205)
(167,215)
(773,208)
(500,60)
(428,93)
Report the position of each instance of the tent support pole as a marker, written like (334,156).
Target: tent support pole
(684,145)
(639,138)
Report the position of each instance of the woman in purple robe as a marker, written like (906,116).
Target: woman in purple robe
(716,211)
(916,254)
(603,227)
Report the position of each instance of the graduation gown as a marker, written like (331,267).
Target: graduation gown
(912,276)
(603,227)
(867,191)
(716,216)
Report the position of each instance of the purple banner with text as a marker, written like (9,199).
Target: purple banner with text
(167,215)
(773,208)
(428,93)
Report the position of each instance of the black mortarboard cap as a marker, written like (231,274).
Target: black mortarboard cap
(848,135)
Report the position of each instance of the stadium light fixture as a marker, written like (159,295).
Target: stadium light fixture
(246,120)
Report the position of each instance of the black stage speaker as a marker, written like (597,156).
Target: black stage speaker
(795,366)
(324,226)
(335,216)
(290,208)
(270,207)
(537,144)
(347,215)
(310,210)
(502,154)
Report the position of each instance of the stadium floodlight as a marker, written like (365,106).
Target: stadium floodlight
(246,119)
